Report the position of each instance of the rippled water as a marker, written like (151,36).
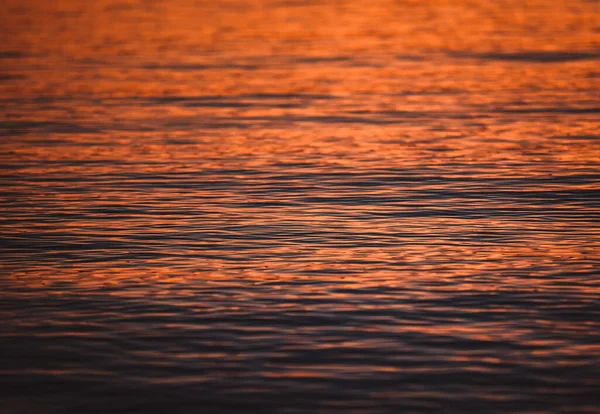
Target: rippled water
(281,206)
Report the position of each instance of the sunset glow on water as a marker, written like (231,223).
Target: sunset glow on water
(299,206)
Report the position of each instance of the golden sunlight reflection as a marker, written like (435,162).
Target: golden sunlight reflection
(294,206)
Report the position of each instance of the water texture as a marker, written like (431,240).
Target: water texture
(300,206)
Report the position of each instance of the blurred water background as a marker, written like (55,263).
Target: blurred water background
(299,206)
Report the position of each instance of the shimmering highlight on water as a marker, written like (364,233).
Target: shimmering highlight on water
(280,206)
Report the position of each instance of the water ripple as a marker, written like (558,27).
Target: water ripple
(324,210)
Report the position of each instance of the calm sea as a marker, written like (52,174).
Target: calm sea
(328,206)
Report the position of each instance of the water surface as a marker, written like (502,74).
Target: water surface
(281,206)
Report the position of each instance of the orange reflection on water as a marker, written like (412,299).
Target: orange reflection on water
(269,194)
